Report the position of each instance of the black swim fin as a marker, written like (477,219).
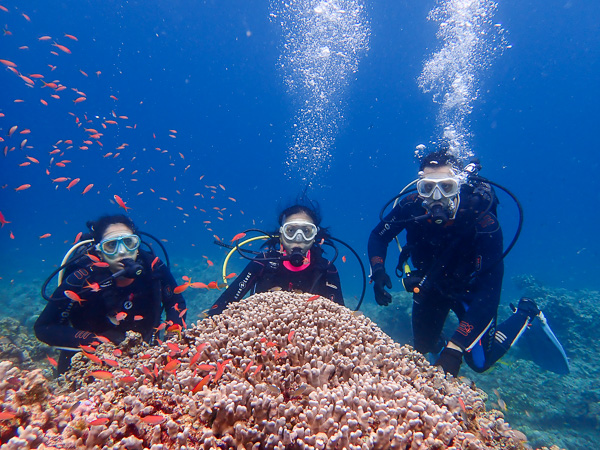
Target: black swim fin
(544,348)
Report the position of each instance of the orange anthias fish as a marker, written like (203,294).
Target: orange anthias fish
(87,188)
(238,236)
(179,289)
(172,365)
(154,261)
(73,296)
(94,287)
(100,421)
(121,316)
(102,374)
(73,183)
(153,420)
(121,203)
(203,382)
(52,361)
(3,221)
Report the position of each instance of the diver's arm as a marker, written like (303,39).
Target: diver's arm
(483,294)
(240,286)
(333,286)
(53,329)
(173,303)
(383,234)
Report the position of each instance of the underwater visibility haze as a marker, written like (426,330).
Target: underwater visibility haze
(207,118)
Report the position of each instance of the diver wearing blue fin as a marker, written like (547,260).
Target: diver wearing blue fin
(544,347)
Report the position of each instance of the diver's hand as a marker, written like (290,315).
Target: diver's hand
(381,280)
(450,360)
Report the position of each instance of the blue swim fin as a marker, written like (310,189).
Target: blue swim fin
(545,349)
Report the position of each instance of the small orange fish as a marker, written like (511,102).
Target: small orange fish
(23,187)
(344,258)
(73,183)
(127,380)
(52,361)
(154,261)
(103,339)
(260,366)
(117,352)
(314,297)
(70,36)
(198,285)
(182,313)
(213,285)
(62,47)
(87,188)
(87,348)
(44,236)
(102,374)
(93,257)
(153,420)
(111,362)
(172,365)
(3,221)
(5,415)
(73,296)
(231,275)
(210,263)
(290,336)
(101,264)
(121,203)
(145,356)
(173,346)
(203,382)
(138,317)
(77,237)
(121,316)
(91,357)
(161,326)
(100,421)
(179,289)
(8,63)
(59,179)
(238,236)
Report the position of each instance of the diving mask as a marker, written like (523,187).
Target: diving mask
(112,245)
(299,231)
(437,188)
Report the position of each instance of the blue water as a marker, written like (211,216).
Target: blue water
(210,71)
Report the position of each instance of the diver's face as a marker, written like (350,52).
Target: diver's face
(303,245)
(117,230)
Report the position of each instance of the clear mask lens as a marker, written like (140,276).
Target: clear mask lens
(299,231)
(110,246)
(446,187)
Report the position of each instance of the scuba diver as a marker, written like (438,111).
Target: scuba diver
(292,261)
(111,286)
(455,243)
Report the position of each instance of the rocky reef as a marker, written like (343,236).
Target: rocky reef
(276,370)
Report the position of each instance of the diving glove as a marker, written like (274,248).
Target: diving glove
(450,360)
(381,280)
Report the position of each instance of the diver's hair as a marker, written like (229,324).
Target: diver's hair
(98,227)
(441,157)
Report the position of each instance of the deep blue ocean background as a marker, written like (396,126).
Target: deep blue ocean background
(210,70)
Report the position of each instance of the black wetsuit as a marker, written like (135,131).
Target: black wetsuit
(320,277)
(66,323)
(462,261)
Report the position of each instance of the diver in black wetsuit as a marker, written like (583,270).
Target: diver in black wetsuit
(296,264)
(118,288)
(455,244)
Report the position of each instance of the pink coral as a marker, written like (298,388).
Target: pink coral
(274,370)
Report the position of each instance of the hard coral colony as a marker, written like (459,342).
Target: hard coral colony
(328,379)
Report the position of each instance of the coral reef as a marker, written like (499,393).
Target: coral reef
(276,370)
